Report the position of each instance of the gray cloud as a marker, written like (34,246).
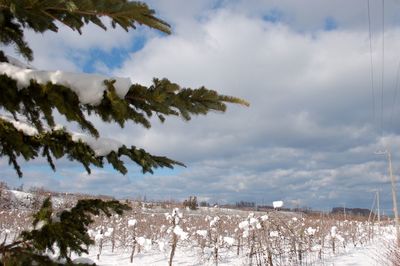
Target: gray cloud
(311,108)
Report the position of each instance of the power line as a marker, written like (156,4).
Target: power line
(372,66)
(396,88)
(383,62)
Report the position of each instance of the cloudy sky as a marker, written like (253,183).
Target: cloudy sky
(317,115)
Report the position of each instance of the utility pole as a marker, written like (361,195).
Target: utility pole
(379,212)
(370,215)
(394,193)
(344,210)
(394,196)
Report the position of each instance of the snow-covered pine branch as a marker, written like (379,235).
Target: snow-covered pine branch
(88,87)
(34,95)
(58,142)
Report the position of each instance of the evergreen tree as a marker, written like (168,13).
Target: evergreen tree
(30,98)
(191,203)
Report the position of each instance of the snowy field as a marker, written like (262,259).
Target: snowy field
(368,255)
(372,253)
(154,234)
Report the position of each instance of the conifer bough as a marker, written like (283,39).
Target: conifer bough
(35,100)
(28,98)
(42,16)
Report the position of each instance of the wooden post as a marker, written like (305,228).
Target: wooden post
(394,197)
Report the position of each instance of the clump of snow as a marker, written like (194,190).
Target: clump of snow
(144,242)
(55,217)
(274,234)
(58,127)
(40,224)
(253,221)
(174,217)
(202,233)
(244,224)
(91,233)
(88,87)
(100,146)
(132,222)
(161,245)
(277,204)
(310,231)
(108,232)
(24,127)
(214,221)
(162,228)
(333,231)
(179,232)
(229,240)
(99,236)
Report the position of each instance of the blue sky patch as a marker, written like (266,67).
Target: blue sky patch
(330,24)
(135,172)
(112,59)
(274,16)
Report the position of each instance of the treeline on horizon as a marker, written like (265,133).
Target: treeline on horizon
(193,204)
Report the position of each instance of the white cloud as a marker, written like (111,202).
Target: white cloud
(309,92)
(309,134)
(68,50)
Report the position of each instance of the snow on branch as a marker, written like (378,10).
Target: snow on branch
(57,142)
(88,87)
(24,127)
(100,146)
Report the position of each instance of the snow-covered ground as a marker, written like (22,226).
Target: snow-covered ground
(349,252)
(26,199)
(360,256)
(207,235)
(182,257)
(372,254)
